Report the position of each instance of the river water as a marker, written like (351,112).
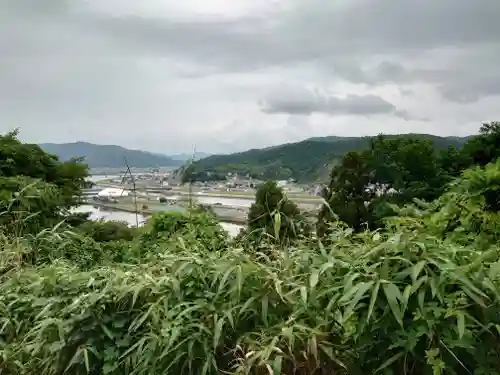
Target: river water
(95,178)
(97,213)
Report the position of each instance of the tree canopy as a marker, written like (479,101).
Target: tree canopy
(306,161)
(365,184)
(36,184)
(273,213)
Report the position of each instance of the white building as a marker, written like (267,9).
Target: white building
(113,193)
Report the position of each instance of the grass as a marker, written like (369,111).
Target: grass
(403,302)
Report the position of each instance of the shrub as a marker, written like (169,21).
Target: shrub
(274,215)
(198,226)
(397,302)
(104,231)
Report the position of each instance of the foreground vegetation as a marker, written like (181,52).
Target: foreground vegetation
(416,294)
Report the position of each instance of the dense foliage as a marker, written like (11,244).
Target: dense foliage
(405,299)
(36,189)
(419,295)
(397,171)
(105,231)
(306,161)
(274,215)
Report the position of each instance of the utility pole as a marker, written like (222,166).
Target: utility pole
(133,192)
(191,180)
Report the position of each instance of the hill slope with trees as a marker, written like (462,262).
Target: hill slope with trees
(108,156)
(305,161)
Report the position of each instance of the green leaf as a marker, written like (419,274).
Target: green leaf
(108,368)
(474,297)
(349,293)
(393,295)
(86,360)
(460,324)
(265,304)
(421,300)
(390,361)
(329,352)
(277,365)
(406,296)
(363,288)
(303,294)
(106,331)
(464,280)
(277,225)
(417,268)
(313,280)
(218,332)
(373,299)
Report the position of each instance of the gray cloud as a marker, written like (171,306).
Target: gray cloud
(465,79)
(305,102)
(72,70)
(308,30)
(302,31)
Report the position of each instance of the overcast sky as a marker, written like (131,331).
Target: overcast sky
(228,75)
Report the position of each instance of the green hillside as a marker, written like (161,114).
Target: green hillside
(108,156)
(308,160)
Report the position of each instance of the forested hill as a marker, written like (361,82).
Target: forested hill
(108,156)
(308,160)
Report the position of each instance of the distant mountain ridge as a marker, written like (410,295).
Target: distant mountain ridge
(306,161)
(108,156)
(431,137)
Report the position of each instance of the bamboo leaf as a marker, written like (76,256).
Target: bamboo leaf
(460,324)
(373,299)
(393,294)
(303,294)
(86,360)
(265,305)
(277,363)
(417,268)
(390,361)
(364,287)
(218,332)
(313,280)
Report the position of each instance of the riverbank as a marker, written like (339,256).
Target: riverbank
(128,216)
(238,218)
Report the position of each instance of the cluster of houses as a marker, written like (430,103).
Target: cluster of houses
(237,183)
(233,183)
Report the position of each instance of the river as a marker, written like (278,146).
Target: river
(95,178)
(98,213)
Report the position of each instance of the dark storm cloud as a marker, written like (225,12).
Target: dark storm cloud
(304,31)
(313,29)
(329,32)
(306,102)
